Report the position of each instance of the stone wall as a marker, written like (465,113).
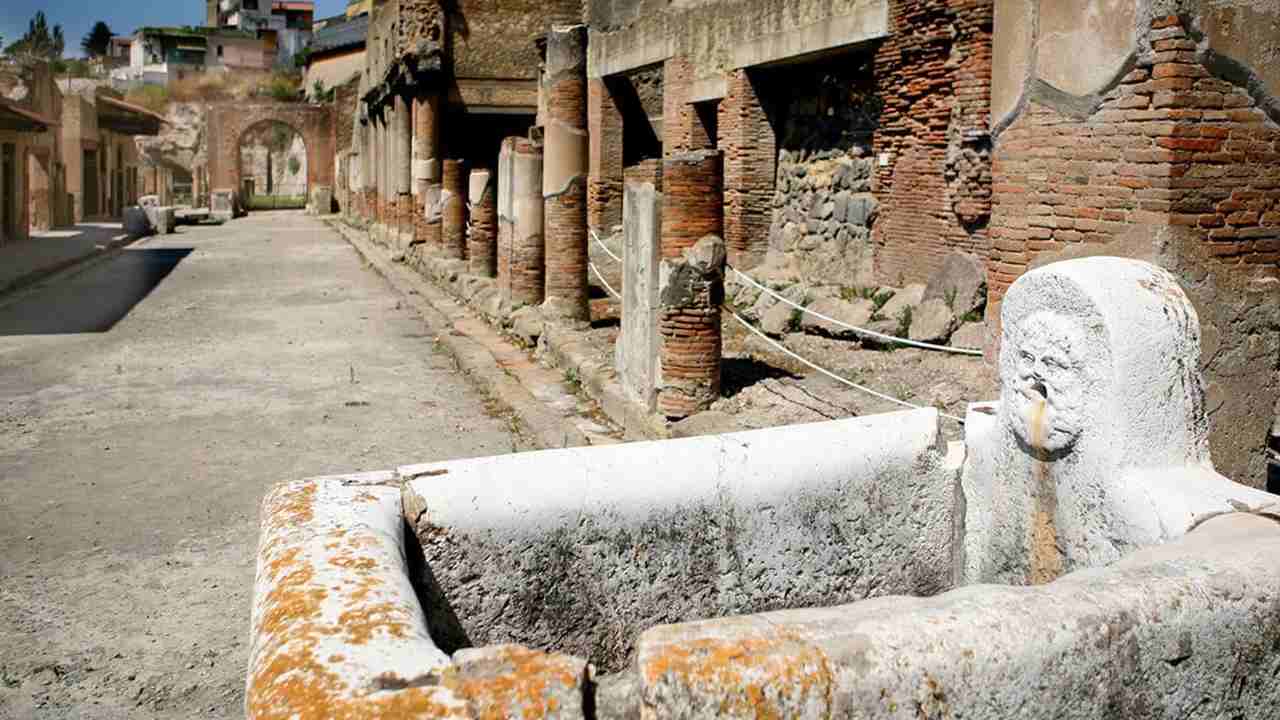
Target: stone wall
(822,205)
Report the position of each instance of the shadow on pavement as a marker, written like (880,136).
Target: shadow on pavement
(93,301)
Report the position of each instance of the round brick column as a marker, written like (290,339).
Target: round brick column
(565,170)
(527,258)
(691,284)
(426,169)
(482,240)
(691,289)
(692,205)
(453,216)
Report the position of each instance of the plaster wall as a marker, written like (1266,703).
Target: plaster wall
(717,37)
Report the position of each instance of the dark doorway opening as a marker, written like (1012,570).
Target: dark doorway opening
(89,189)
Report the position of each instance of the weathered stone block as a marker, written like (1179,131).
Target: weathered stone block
(932,322)
(856,313)
(136,223)
(807,515)
(961,282)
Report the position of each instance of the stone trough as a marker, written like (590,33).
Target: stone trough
(1075,556)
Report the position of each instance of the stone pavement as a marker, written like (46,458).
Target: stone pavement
(147,402)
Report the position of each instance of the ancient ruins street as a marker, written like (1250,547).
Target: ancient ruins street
(146,404)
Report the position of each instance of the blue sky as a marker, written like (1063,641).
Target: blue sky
(124,16)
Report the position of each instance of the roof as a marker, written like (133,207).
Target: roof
(340,35)
(14,117)
(127,118)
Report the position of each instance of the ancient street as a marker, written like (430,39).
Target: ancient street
(147,402)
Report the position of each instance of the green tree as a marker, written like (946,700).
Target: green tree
(39,42)
(98,41)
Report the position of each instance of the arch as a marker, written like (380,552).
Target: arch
(228,123)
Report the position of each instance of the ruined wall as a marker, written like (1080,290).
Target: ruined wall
(492,39)
(933,178)
(1169,152)
(822,206)
(717,37)
(228,123)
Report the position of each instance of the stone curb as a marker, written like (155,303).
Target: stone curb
(548,428)
(600,382)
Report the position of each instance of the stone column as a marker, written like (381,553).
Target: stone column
(453,216)
(402,166)
(426,169)
(506,216)
(378,188)
(527,259)
(636,353)
(691,283)
(481,241)
(565,164)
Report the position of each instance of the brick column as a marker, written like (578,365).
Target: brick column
(378,180)
(481,241)
(453,216)
(604,181)
(527,260)
(750,153)
(426,169)
(564,187)
(691,289)
(691,283)
(692,208)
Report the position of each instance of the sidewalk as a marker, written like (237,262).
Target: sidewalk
(46,252)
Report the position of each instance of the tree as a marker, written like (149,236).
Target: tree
(39,42)
(98,41)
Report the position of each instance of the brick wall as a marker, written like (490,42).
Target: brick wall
(750,153)
(604,185)
(933,76)
(1170,145)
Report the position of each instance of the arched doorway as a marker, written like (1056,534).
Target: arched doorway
(273,166)
(230,122)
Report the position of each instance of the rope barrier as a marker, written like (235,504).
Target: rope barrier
(779,346)
(793,355)
(607,286)
(854,328)
(605,248)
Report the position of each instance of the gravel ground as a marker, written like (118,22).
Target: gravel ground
(764,387)
(146,403)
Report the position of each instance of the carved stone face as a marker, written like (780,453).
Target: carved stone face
(1045,382)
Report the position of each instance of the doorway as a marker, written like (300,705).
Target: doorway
(90,187)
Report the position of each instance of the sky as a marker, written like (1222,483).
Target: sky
(124,16)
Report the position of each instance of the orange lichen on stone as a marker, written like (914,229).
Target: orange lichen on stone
(520,684)
(359,625)
(767,675)
(290,505)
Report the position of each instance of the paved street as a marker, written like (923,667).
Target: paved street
(146,403)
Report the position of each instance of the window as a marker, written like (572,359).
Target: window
(219,51)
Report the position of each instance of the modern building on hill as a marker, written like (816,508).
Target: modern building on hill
(285,26)
(336,53)
(162,55)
